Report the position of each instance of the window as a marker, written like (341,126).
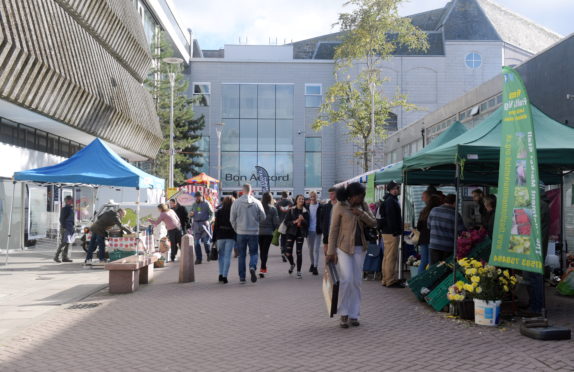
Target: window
(313,162)
(16,134)
(473,60)
(258,130)
(203,150)
(202,93)
(392,123)
(313,95)
(313,144)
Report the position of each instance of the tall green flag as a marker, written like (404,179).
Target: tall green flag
(370,197)
(517,241)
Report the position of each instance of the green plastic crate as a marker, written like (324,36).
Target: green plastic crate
(437,298)
(429,279)
(118,255)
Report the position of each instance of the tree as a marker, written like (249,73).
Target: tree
(187,129)
(372,32)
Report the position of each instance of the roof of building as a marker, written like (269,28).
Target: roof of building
(475,20)
(469,20)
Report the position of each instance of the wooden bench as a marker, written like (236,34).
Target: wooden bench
(126,274)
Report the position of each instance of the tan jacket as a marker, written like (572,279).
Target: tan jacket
(343,225)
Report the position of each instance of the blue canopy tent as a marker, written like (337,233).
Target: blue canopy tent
(95,165)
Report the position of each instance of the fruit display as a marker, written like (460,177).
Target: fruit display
(520,244)
(521,197)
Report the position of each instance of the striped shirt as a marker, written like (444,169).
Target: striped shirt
(441,226)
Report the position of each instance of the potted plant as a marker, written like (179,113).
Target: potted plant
(413,263)
(461,305)
(487,285)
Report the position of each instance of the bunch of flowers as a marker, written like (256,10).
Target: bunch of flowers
(456,292)
(413,261)
(487,282)
(467,240)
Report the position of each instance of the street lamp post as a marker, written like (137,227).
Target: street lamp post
(174,63)
(373,133)
(218,131)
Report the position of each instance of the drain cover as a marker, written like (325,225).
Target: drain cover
(84,306)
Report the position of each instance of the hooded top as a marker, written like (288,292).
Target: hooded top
(246,215)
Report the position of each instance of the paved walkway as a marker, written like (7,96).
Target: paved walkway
(32,285)
(277,324)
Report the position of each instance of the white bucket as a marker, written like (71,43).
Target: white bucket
(486,312)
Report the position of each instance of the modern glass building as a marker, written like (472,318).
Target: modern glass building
(268,96)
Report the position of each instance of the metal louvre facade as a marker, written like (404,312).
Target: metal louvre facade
(81,63)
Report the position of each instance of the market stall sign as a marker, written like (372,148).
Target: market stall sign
(517,234)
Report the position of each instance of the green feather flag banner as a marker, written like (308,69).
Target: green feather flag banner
(517,237)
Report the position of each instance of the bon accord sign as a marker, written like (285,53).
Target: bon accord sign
(254,177)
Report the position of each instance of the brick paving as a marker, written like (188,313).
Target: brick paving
(278,324)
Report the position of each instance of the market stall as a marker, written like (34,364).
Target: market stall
(95,165)
(206,185)
(473,159)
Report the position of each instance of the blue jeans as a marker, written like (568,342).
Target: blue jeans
(243,241)
(97,241)
(225,248)
(424,251)
(197,245)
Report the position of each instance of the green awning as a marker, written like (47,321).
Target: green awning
(478,151)
(394,172)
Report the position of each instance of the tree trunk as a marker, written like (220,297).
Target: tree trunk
(365,154)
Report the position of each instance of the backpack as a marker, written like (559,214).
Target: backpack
(380,216)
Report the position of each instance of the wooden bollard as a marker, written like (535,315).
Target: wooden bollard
(186,262)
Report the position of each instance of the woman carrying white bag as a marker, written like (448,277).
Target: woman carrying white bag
(347,245)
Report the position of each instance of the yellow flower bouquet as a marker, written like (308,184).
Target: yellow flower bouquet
(486,282)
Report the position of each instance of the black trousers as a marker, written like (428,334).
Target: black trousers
(291,242)
(264,244)
(437,256)
(174,236)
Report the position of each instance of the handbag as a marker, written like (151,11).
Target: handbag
(213,253)
(282,228)
(276,237)
(331,288)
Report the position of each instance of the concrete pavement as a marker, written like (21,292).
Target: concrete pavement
(277,324)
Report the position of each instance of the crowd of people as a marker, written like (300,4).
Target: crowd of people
(344,226)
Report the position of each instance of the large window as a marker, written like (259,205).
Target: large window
(203,150)
(202,93)
(17,134)
(313,162)
(258,130)
(313,95)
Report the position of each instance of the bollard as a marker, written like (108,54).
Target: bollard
(186,261)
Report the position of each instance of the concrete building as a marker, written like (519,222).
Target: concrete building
(245,87)
(72,71)
(550,85)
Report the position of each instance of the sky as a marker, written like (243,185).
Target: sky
(218,22)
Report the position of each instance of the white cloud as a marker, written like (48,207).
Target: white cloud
(219,22)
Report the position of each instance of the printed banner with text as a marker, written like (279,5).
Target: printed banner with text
(516,241)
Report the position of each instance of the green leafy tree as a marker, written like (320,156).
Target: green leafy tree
(371,33)
(187,128)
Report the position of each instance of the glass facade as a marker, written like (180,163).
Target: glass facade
(313,162)
(258,130)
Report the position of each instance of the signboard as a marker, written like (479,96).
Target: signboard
(171,191)
(263,178)
(517,241)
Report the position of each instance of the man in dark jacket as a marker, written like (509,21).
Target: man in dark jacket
(390,225)
(325,217)
(99,232)
(182,214)
(66,230)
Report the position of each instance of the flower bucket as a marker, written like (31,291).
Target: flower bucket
(487,312)
(414,271)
